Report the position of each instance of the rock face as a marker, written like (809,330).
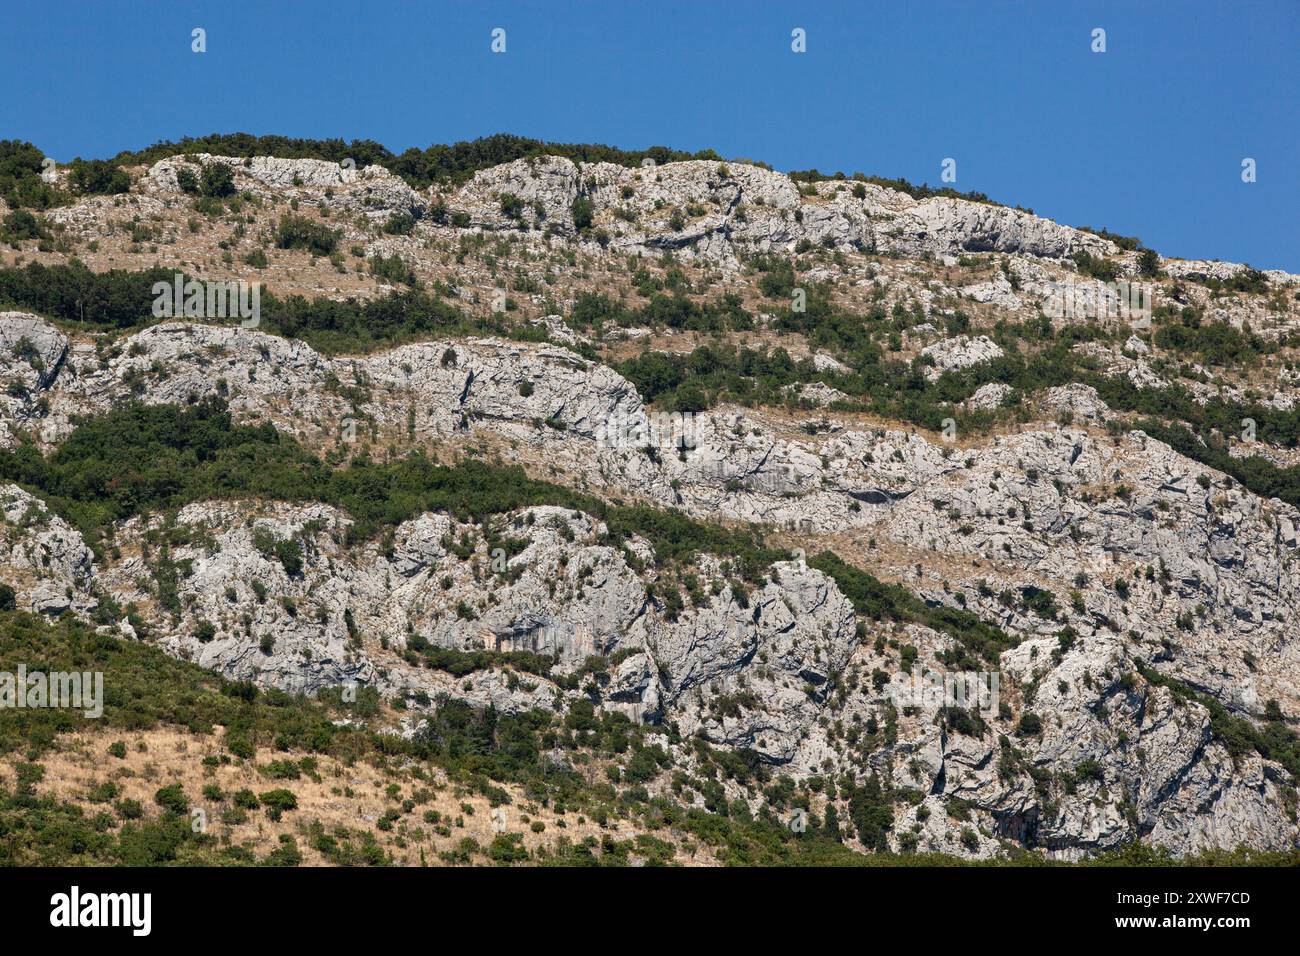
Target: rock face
(372,191)
(562,595)
(331,616)
(717,211)
(1078,399)
(285,381)
(729,211)
(988,396)
(271,621)
(960,352)
(820,394)
(998,291)
(800,632)
(45,560)
(1142,603)
(1179,573)
(31,355)
(940,225)
(774,672)
(734,464)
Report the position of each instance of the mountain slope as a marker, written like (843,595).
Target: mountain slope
(715,452)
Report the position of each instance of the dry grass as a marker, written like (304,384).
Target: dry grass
(353,796)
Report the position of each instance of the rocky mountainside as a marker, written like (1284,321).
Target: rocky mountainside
(783,454)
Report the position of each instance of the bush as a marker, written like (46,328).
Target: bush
(217,181)
(583,213)
(279,799)
(119,299)
(21,167)
(298,232)
(20,225)
(1149,263)
(289,553)
(172,799)
(512,207)
(777,282)
(113,299)
(98,176)
(1097,267)
(400,224)
(392,269)
(286,854)
(129,809)
(1215,343)
(507,848)
(1030,725)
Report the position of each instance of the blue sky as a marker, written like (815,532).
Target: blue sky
(1146,139)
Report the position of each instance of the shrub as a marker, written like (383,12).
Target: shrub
(507,848)
(98,176)
(1089,770)
(400,224)
(583,213)
(1149,263)
(512,207)
(21,182)
(877,600)
(289,553)
(392,269)
(280,797)
(1030,725)
(129,809)
(20,225)
(172,799)
(1098,267)
(286,854)
(298,232)
(217,181)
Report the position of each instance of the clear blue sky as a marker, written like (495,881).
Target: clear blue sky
(1146,139)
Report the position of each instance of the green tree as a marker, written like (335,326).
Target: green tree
(98,176)
(872,815)
(217,181)
(583,213)
(1149,263)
